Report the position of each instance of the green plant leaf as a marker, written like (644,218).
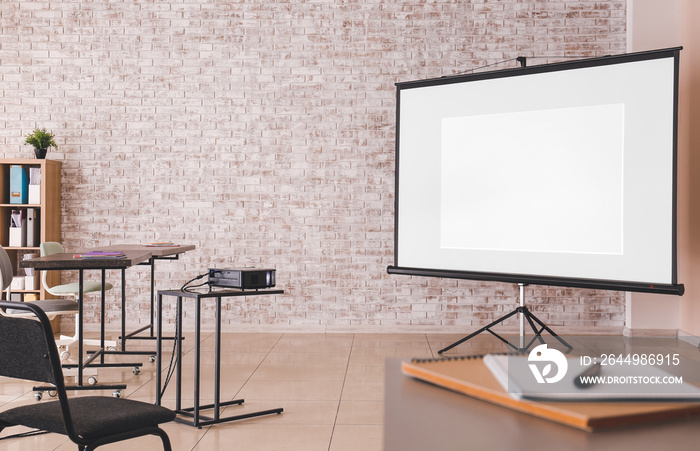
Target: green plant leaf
(40,139)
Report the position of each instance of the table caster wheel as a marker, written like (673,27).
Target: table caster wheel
(117,394)
(136,370)
(38,395)
(65,355)
(151,358)
(92,380)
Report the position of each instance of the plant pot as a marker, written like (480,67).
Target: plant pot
(40,153)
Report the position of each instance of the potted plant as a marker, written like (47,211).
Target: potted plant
(41,140)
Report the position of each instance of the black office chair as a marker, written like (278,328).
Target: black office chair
(28,351)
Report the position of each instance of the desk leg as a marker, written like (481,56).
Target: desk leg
(217,361)
(159,354)
(124,312)
(80,326)
(178,337)
(124,337)
(134,335)
(103,351)
(197,338)
(102,316)
(153,292)
(178,353)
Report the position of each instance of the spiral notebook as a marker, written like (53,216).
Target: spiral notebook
(470,376)
(515,376)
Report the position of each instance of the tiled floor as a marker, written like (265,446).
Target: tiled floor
(331,387)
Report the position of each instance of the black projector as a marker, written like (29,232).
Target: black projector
(245,279)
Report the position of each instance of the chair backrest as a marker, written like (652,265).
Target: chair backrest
(49,248)
(26,346)
(5,270)
(28,351)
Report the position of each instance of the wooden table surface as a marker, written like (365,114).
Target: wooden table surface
(156,251)
(68,261)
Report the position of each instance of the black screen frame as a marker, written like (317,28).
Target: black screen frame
(674,288)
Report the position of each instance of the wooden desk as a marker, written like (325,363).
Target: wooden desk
(419,416)
(198,420)
(66,261)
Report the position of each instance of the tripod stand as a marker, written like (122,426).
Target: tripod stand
(524,315)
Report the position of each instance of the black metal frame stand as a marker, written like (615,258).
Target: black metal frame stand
(150,326)
(199,420)
(525,314)
(90,361)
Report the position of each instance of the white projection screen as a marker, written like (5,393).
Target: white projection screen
(561,174)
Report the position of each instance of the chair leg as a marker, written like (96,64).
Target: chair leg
(155,430)
(166,440)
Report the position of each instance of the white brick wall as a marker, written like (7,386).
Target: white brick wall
(263,133)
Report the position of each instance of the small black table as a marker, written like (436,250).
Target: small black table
(198,420)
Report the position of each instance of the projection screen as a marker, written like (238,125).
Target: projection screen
(561,174)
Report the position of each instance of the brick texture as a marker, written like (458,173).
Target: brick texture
(263,133)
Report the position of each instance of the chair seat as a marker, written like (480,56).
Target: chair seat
(50,307)
(74,288)
(93,416)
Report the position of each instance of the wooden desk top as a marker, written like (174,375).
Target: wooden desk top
(419,416)
(67,261)
(156,251)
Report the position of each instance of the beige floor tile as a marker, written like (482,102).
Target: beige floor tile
(315,343)
(325,359)
(325,390)
(362,372)
(257,436)
(361,412)
(302,366)
(379,340)
(245,342)
(38,442)
(363,391)
(296,412)
(354,437)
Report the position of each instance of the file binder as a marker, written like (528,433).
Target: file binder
(18,184)
(32,228)
(34,197)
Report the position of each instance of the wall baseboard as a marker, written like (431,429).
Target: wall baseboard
(627,332)
(375,329)
(688,338)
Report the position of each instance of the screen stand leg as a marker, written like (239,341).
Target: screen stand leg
(522,315)
(525,315)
